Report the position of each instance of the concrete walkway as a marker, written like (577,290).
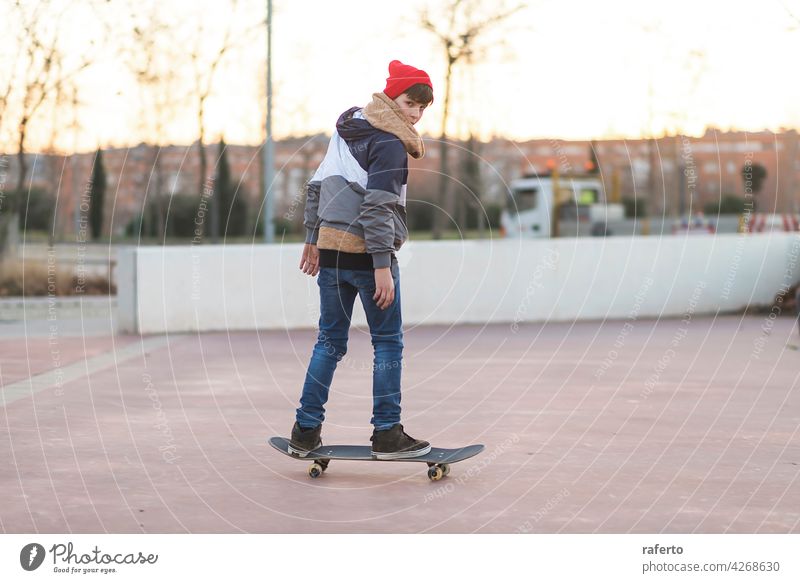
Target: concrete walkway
(645,426)
(31,309)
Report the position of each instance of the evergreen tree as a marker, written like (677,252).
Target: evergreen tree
(96,196)
(230,203)
(753,178)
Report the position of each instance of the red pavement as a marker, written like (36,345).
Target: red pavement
(23,359)
(588,427)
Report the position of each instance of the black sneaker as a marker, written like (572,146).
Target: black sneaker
(304,440)
(395,443)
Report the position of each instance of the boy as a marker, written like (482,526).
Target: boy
(355,220)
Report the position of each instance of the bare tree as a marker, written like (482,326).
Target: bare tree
(40,74)
(9,72)
(787,177)
(61,100)
(154,57)
(695,65)
(206,63)
(653,31)
(459,27)
(664,188)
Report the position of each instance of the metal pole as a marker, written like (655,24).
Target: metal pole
(268,153)
(76,213)
(556,203)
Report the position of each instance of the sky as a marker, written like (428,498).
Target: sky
(568,69)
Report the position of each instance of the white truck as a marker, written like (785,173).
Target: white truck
(583,209)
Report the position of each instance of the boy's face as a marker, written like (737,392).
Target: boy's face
(411,109)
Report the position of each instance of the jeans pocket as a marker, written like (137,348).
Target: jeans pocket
(366,281)
(325,277)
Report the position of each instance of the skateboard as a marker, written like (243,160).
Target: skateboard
(438,459)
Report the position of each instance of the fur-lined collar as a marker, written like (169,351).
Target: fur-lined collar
(383,113)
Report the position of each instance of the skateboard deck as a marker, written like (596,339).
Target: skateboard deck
(438,459)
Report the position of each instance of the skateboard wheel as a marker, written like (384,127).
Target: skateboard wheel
(315,471)
(445,468)
(435,473)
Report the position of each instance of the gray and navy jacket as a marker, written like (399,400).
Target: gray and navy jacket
(355,202)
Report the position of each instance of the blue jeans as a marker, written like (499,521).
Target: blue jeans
(338,289)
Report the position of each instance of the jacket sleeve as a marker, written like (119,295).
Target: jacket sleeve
(386,169)
(311,213)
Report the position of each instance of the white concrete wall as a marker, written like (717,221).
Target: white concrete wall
(127,296)
(243,287)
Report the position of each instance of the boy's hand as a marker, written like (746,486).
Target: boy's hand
(309,262)
(384,287)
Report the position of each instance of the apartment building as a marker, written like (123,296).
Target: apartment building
(668,172)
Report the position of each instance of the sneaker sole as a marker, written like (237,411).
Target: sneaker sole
(302,452)
(396,455)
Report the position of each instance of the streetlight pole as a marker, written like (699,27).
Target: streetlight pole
(268,151)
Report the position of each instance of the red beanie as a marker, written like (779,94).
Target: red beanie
(401,77)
